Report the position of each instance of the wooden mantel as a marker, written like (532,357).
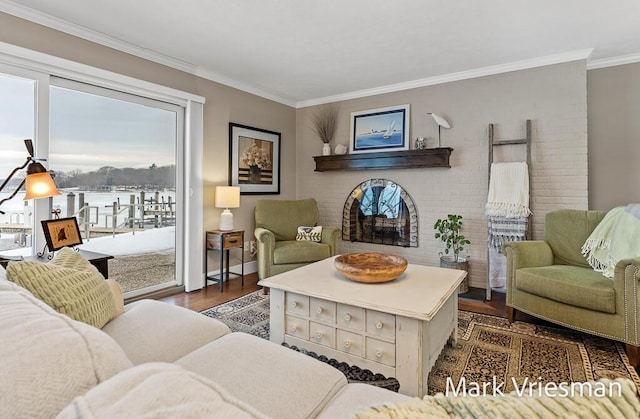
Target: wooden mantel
(407,159)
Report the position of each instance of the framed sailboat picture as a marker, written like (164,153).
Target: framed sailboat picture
(384,129)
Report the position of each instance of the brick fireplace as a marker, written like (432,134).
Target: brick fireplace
(382,212)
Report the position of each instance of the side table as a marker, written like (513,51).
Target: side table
(99,260)
(223,241)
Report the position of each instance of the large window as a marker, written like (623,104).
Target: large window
(114,156)
(109,138)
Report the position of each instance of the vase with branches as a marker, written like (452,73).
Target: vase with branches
(324,125)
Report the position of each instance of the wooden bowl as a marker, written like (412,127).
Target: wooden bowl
(370,267)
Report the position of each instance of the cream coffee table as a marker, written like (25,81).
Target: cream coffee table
(395,328)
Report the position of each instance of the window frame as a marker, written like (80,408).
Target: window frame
(42,67)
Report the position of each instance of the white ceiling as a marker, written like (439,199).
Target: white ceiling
(303,52)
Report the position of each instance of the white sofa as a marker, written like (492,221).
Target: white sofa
(158,360)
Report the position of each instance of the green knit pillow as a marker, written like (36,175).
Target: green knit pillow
(69,284)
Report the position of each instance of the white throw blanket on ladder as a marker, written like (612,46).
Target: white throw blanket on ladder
(507,212)
(508,190)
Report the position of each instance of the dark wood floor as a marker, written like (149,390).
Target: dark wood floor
(211,296)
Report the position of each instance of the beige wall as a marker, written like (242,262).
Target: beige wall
(614,136)
(554,97)
(223,105)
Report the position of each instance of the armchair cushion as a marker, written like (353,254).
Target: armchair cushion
(572,285)
(566,231)
(299,252)
(284,217)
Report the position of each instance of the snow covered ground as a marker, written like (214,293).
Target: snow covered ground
(156,240)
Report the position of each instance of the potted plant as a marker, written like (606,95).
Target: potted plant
(448,231)
(324,124)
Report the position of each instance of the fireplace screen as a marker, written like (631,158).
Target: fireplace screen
(380,211)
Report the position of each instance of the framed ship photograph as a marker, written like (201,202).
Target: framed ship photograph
(384,129)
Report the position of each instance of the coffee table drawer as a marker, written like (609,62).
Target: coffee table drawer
(321,334)
(322,310)
(297,327)
(297,304)
(381,351)
(349,342)
(381,324)
(350,317)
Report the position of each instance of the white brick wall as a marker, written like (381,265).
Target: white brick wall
(553,97)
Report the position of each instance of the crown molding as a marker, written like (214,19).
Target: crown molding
(215,77)
(61,25)
(44,19)
(23,12)
(447,78)
(611,62)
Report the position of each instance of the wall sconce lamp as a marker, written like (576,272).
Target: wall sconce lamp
(442,123)
(39,183)
(227,197)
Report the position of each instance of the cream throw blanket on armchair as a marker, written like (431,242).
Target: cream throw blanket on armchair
(616,237)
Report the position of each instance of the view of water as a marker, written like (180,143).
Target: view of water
(18,211)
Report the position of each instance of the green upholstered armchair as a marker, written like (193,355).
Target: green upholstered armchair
(277,223)
(551,280)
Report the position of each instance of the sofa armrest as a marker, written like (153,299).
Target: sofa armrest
(624,264)
(266,241)
(330,236)
(625,284)
(524,254)
(264,236)
(527,254)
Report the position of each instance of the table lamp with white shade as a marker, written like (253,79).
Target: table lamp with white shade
(227,197)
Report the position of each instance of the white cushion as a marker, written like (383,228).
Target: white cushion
(277,381)
(154,331)
(47,359)
(157,390)
(357,397)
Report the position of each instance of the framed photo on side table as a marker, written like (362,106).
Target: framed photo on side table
(254,160)
(63,232)
(384,129)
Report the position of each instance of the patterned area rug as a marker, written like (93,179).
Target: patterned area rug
(487,347)
(248,314)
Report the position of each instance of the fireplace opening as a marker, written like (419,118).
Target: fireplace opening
(380,211)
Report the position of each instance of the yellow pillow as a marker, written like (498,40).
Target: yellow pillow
(69,284)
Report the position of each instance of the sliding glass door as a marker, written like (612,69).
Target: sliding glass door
(115,160)
(17,122)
